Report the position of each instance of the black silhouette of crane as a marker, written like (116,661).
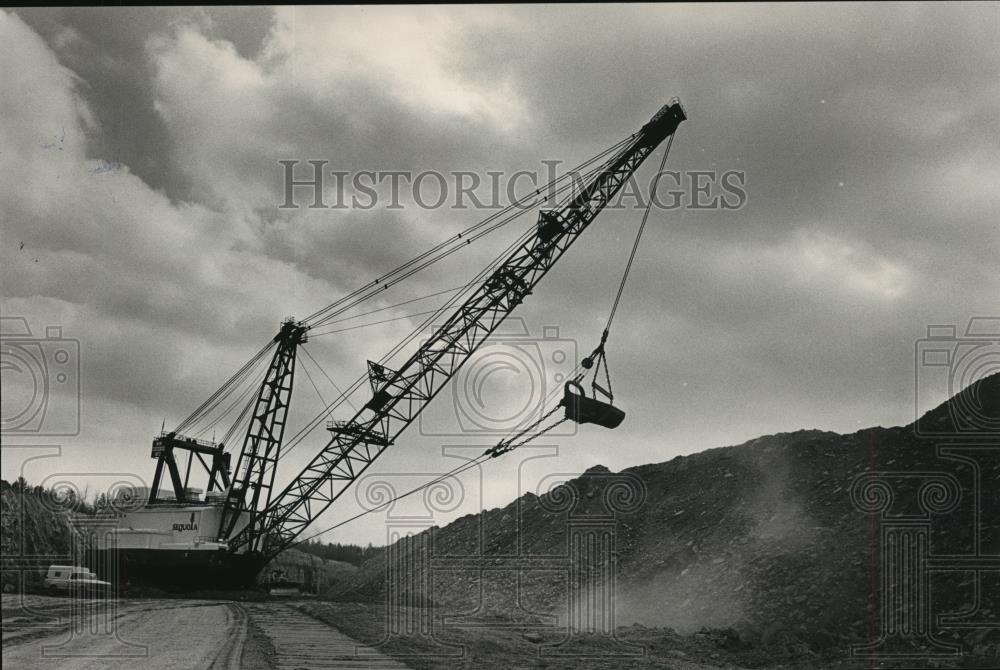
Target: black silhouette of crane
(263,521)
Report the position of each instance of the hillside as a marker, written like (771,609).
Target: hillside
(762,537)
(35,530)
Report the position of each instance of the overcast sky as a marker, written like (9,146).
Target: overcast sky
(139,193)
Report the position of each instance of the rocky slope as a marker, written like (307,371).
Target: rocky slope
(764,537)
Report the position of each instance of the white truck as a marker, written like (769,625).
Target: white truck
(74,579)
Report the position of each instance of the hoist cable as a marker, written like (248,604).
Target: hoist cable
(457,470)
(454,472)
(311,381)
(328,378)
(357,383)
(511,443)
(227,388)
(247,396)
(354,386)
(398,304)
(384,283)
(212,401)
(239,420)
(250,402)
(638,236)
(372,323)
(503,447)
(224,391)
(489,269)
(462,235)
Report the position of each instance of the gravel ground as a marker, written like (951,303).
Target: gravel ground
(178,634)
(56,634)
(301,641)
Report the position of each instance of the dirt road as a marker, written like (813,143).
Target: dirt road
(302,641)
(152,635)
(65,634)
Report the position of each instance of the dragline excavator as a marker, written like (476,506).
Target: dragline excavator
(244,520)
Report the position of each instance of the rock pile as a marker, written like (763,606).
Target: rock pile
(764,538)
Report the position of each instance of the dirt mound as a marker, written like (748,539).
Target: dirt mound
(974,409)
(762,537)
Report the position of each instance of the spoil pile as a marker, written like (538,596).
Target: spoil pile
(763,538)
